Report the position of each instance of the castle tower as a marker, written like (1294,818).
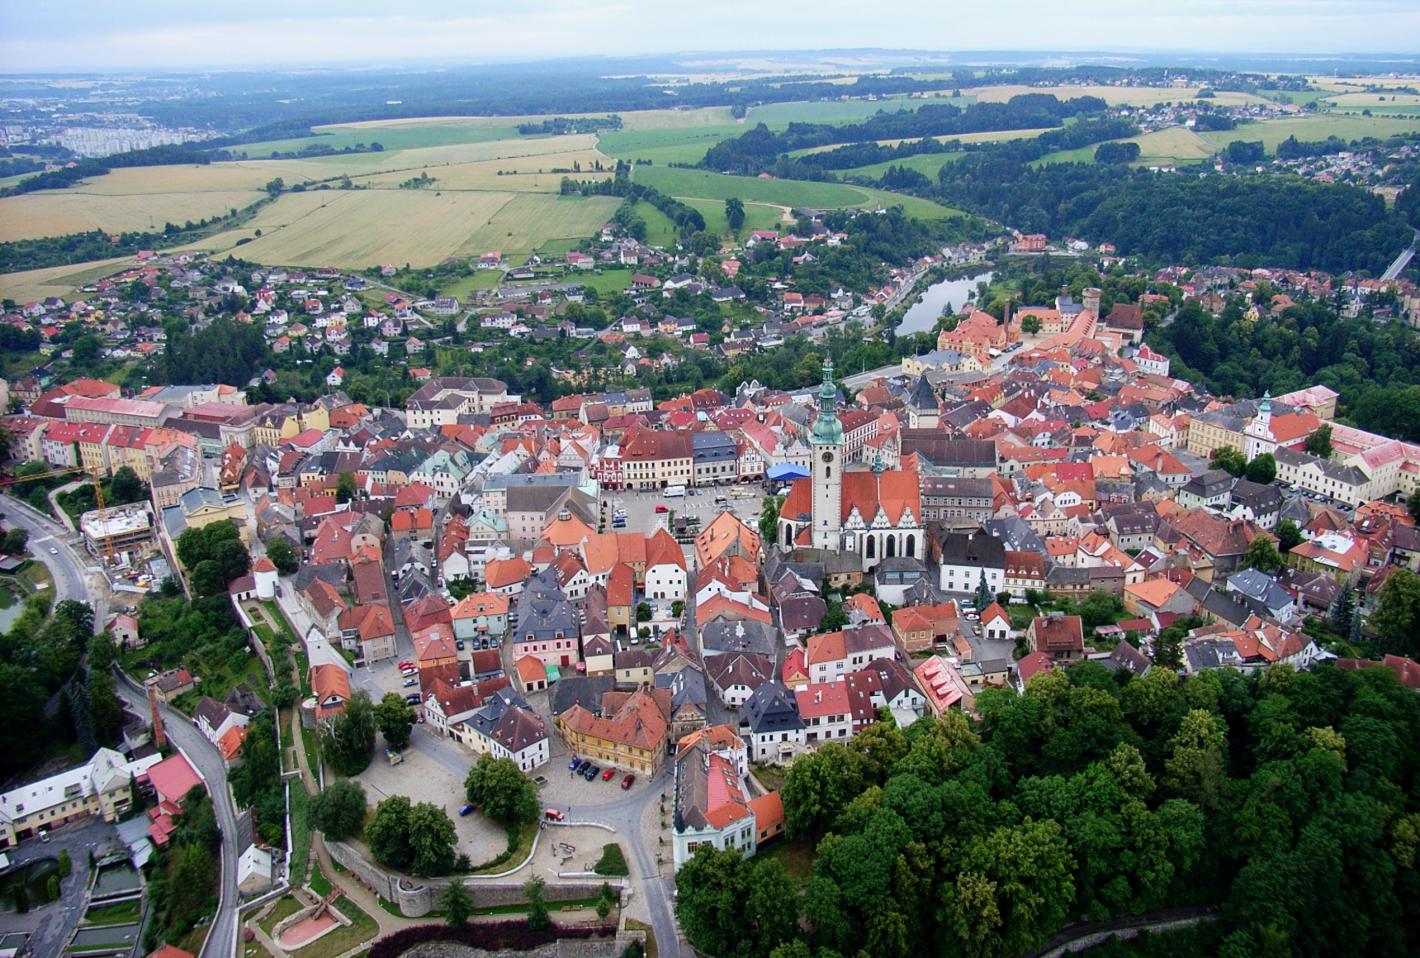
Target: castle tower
(827,467)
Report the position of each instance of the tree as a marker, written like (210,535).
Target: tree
(537,908)
(339,811)
(1288,535)
(1196,768)
(1412,504)
(1319,443)
(457,904)
(1343,609)
(835,617)
(710,899)
(734,213)
(431,839)
(126,486)
(818,786)
(1262,555)
(387,834)
(345,489)
(1229,460)
(501,790)
(1396,619)
(769,518)
(395,720)
(1019,892)
(350,740)
(1263,469)
(14,542)
(207,578)
(279,551)
(1030,325)
(461,587)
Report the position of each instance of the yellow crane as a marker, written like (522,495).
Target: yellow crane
(95,474)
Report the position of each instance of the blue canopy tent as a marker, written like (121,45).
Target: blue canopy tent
(786,471)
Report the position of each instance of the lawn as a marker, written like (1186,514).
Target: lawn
(113,914)
(604,282)
(362,928)
(705,185)
(285,908)
(796,855)
(758,216)
(512,855)
(464,286)
(770,776)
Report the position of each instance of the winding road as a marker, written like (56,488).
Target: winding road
(71,577)
(222,936)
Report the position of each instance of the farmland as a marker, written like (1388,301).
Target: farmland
(36,284)
(665,146)
(1347,127)
(359,228)
(1174,145)
(701,184)
(391,136)
(778,115)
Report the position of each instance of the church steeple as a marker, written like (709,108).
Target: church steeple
(827,429)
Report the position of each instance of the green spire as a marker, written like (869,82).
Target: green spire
(828,431)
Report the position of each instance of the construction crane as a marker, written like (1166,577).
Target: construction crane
(95,474)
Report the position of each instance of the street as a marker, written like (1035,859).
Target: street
(68,567)
(222,936)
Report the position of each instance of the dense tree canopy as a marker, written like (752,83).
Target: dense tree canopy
(1287,798)
(500,789)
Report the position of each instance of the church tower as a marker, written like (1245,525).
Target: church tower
(827,468)
(923,412)
(1258,433)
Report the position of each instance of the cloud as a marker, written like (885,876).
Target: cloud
(158,34)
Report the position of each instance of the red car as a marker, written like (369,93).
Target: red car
(607,775)
(626,782)
(406,665)
(660,508)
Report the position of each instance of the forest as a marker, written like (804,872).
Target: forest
(1374,366)
(758,150)
(1249,221)
(1279,805)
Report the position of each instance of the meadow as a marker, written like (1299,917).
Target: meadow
(1174,145)
(928,164)
(1318,127)
(701,184)
(391,136)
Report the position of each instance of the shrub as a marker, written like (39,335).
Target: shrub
(613,862)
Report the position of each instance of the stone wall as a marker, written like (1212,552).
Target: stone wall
(564,948)
(417,897)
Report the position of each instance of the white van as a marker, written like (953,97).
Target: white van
(673,492)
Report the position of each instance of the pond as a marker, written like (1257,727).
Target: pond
(27,884)
(115,880)
(937,298)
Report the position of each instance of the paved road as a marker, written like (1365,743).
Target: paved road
(49,925)
(68,567)
(222,938)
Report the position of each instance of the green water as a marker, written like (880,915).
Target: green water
(27,884)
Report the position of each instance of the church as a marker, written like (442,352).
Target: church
(873,512)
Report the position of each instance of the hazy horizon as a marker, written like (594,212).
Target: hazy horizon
(162,35)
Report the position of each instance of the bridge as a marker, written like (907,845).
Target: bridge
(1403,260)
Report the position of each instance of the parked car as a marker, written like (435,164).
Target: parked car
(406,664)
(626,782)
(412,698)
(661,508)
(574,763)
(608,775)
(583,765)
(406,672)
(553,815)
(53,551)
(410,683)
(591,773)
(466,810)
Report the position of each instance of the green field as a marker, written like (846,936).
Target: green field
(529,220)
(1174,145)
(1346,126)
(928,164)
(665,146)
(758,216)
(391,137)
(778,115)
(700,184)
(660,231)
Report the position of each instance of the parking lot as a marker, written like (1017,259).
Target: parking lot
(641,515)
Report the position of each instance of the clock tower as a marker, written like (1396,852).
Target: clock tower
(827,467)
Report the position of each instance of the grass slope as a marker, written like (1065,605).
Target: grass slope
(704,185)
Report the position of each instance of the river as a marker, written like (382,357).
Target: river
(937,297)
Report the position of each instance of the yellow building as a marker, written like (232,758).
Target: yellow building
(1215,432)
(103,787)
(631,733)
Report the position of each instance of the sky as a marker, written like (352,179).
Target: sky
(151,35)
